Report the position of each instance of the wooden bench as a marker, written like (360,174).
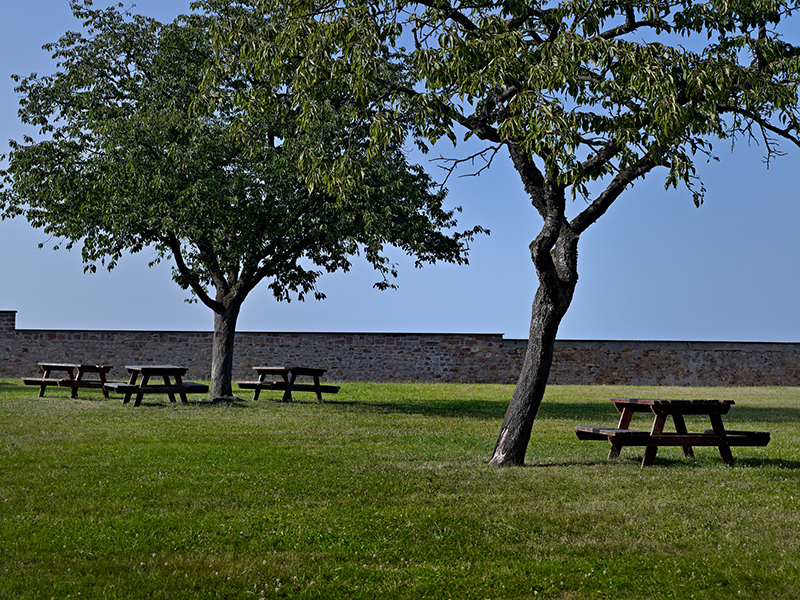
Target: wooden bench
(71,380)
(166,372)
(288,383)
(621,436)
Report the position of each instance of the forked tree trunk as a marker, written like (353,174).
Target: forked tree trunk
(558,275)
(222,351)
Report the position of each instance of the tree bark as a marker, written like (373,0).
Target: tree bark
(222,351)
(557,269)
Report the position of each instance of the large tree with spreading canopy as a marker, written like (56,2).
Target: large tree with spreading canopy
(585,97)
(135,151)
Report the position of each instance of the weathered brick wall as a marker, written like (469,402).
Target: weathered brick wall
(348,357)
(676,363)
(408,357)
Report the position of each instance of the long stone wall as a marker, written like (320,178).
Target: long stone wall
(408,357)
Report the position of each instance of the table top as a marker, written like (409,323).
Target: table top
(79,366)
(287,370)
(272,370)
(156,369)
(307,371)
(701,407)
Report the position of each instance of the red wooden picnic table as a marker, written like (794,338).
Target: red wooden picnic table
(288,375)
(72,380)
(165,372)
(621,435)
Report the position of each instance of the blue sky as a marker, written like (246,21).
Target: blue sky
(654,267)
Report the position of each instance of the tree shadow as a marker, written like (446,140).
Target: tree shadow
(456,409)
(477,408)
(765,414)
(757,462)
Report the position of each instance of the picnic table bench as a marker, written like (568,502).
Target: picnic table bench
(288,383)
(178,386)
(718,436)
(71,380)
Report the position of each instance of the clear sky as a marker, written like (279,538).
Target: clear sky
(654,267)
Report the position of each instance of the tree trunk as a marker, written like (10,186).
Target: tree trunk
(222,351)
(556,267)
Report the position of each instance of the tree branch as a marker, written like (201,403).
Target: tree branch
(451,13)
(189,274)
(607,197)
(762,122)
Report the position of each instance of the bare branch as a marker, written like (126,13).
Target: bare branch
(455,162)
(787,133)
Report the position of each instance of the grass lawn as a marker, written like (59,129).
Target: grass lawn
(385,492)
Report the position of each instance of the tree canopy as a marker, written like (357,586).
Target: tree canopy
(141,144)
(584,97)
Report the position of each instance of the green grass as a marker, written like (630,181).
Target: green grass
(385,492)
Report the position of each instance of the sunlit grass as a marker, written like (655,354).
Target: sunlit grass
(384,491)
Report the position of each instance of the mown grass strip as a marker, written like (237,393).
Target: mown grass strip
(385,491)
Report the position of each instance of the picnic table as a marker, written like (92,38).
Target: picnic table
(165,372)
(266,381)
(621,435)
(71,380)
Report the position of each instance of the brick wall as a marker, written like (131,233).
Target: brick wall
(408,357)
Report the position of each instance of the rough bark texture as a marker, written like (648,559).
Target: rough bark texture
(222,352)
(555,256)
(549,307)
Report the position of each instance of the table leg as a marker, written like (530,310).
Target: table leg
(140,393)
(131,381)
(103,384)
(316,388)
(657,429)
(262,378)
(43,387)
(287,395)
(179,383)
(168,383)
(719,429)
(680,427)
(624,423)
(74,392)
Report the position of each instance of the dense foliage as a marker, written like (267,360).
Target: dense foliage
(135,150)
(585,97)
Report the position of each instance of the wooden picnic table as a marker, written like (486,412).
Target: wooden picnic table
(71,380)
(267,381)
(621,435)
(165,372)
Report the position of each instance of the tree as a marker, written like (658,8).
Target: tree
(131,157)
(586,98)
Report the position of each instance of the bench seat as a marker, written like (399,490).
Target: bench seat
(40,381)
(254,385)
(305,387)
(282,385)
(629,437)
(121,387)
(81,383)
(193,387)
(188,387)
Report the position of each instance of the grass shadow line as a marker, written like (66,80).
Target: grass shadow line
(467,409)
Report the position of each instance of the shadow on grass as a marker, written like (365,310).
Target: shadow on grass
(777,463)
(478,409)
(586,412)
(463,409)
(764,414)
